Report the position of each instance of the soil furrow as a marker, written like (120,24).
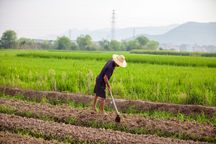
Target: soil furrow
(72,133)
(123,105)
(133,124)
(11,138)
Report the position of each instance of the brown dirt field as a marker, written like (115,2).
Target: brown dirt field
(76,133)
(122,104)
(11,138)
(191,130)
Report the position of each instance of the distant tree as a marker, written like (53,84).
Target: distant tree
(152,45)
(160,48)
(142,40)
(8,39)
(132,44)
(123,45)
(104,44)
(63,43)
(115,45)
(74,46)
(25,43)
(85,42)
(46,45)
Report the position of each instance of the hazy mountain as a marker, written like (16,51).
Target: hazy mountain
(189,33)
(121,33)
(125,33)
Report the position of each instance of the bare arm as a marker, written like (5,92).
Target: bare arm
(106,81)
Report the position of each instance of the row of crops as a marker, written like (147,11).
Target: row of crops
(173,79)
(64,123)
(27,115)
(171,52)
(132,58)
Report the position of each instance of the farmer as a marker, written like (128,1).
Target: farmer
(103,78)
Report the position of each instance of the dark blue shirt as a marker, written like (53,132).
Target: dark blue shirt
(107,70)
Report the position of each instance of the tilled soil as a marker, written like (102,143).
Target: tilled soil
(11,138)
(191,130)
(123,105)
(75,133)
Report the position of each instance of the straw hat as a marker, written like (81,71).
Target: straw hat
(119,60)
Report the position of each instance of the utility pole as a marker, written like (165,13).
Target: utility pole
(113,26)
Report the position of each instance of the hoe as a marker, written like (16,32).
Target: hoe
(118,118)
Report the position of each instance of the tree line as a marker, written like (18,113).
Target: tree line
(83,42)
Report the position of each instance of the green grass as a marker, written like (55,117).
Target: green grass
(7,110)
(139,81)
(200,118)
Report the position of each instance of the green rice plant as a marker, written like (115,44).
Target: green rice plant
(182,80)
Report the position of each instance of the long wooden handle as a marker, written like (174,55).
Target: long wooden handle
(114,102)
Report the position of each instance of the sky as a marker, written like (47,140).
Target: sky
(36,18)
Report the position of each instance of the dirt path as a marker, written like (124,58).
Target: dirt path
(84,117)
(123,105)
(10,138)
(63,131)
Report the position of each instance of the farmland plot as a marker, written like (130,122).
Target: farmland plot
(45,97)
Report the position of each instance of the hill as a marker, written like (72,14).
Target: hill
(189,33)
